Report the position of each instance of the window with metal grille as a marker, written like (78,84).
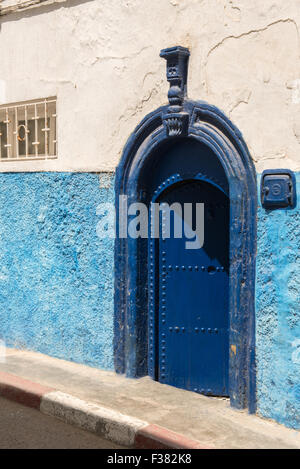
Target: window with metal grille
(28,130)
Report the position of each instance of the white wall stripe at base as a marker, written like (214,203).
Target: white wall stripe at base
(108,423)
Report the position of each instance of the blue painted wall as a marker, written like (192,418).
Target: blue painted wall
(56,275)
(278,314)
(56,281)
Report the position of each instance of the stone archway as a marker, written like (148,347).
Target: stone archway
(187,120)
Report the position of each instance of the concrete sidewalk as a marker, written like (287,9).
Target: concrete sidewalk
(208,420)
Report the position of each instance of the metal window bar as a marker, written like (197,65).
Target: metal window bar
(26,131)
(55,132)
(16,132)
(18,119)
(46,129)
(36,137)
(7,122)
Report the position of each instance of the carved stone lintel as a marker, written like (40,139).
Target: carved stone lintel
(176,124)
(175,120)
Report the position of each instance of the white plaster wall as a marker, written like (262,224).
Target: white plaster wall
(101,59)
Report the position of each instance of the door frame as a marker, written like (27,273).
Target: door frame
(208,125)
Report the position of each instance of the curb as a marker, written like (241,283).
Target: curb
(21,390)
(107,423)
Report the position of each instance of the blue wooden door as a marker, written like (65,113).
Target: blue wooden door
(193,297)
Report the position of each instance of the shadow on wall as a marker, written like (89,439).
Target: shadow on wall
(34,8)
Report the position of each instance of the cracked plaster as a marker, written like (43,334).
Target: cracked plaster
(101,60)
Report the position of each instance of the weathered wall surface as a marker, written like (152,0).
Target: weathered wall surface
(56,281)
(278,314)
(101,60)
(56,275)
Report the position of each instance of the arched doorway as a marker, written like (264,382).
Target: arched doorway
(188,285)
(189,151)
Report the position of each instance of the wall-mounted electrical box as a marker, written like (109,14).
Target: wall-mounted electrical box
(278,189)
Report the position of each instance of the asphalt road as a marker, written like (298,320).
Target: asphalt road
(25,428)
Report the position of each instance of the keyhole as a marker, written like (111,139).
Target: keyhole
(211,269)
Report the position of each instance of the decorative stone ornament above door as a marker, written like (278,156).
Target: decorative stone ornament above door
(175,119)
